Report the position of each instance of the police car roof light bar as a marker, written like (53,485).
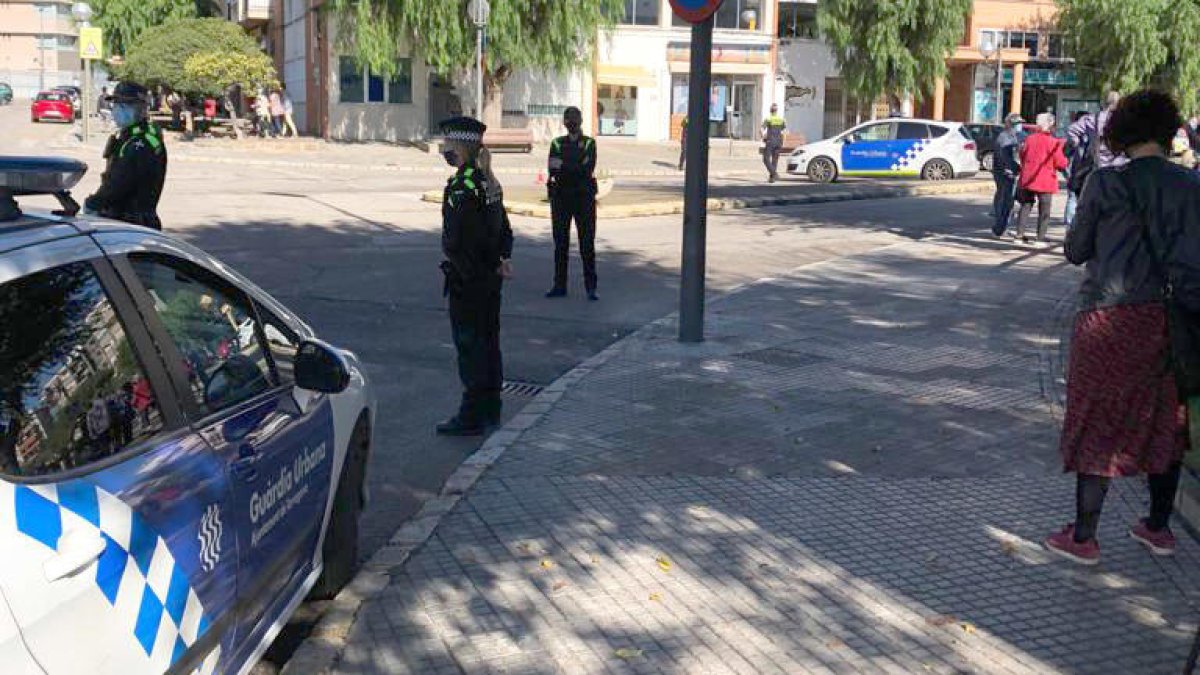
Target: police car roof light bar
(22,176)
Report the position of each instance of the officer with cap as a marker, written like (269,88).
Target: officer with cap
(137,162)
(477,243)
(773,128)
(572,188)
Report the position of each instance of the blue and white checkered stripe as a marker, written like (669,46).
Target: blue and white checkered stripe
(911,156)
(150,594)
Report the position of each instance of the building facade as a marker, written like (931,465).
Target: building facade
(39,46)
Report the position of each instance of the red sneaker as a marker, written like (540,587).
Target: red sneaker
(1064,544)
(1159,543)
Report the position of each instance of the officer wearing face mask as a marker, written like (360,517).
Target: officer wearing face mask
(476,243)
(572,187)
(137,162)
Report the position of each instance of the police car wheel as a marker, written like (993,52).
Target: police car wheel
(340,551)
(937,169)
(822,170)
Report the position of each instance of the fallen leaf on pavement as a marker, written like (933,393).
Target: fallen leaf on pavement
(547,564)
(968,628)
(656,597)
(664,563)
(595,560)
(628,653)
(835,644)
(559,586)
(940,620)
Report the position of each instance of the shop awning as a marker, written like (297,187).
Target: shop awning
(625,76)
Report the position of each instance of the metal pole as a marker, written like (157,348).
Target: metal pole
(695,209)
(999,87)
(87,99)
(479,70)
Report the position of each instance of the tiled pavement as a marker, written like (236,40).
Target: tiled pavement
(850,475)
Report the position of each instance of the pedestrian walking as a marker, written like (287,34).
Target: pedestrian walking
(1006,164)
(1080,146)
(262,113)
(136,162)
(683,142)
(1123,415)
(572,188)
(773,128)
(275,102)
(477,245)
(1105,156)
(1042,157)
(289,110)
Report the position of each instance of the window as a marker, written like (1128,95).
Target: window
(359,85)
(641,12)
(213,329)
(1056,46)
(617,109)
(937,132)
(874,132)
(1013,39)
(906,131)
(734,15)
(798,20)
(71,389)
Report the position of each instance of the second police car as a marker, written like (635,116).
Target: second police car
(182,462)
(928,149)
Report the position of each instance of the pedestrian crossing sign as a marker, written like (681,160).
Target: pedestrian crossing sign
(91,42)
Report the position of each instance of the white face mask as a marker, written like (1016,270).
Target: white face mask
(124,115)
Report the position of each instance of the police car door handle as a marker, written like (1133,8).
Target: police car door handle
(76,550)
(243,467)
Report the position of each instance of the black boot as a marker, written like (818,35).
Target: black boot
(460,426)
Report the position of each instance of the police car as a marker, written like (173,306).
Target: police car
(928,149)
(182,462)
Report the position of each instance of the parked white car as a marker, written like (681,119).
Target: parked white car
(929,149)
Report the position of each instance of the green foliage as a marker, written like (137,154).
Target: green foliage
(124,20)
(543,34)
(197,56)
(1129,44)
(892,47)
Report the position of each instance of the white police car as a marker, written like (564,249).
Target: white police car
(181,461)
(928,149)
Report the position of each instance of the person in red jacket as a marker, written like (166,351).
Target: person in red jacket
(1042,157)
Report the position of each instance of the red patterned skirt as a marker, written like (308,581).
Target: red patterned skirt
(1123,411)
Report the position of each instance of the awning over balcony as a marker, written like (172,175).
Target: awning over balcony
(625,76)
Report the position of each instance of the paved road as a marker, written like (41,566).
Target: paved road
(355,252)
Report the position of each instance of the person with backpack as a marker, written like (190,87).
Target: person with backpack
(1135,234)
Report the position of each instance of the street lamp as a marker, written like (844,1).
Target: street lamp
(83,16)
(989,46)
(478,11)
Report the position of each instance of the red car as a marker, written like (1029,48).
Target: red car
(52,105)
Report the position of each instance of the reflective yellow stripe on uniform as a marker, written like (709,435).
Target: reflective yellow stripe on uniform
(556,145)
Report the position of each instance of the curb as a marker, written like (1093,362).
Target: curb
(675,206)
(319,653)
(408,168)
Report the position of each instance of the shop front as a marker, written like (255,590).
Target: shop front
(623,95)
(741,75)
(1053,90)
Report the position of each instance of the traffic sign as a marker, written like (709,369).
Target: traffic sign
(91,42)
(695,11)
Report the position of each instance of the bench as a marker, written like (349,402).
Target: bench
(519,140)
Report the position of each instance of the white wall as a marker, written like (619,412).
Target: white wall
(804,64)
(395,123)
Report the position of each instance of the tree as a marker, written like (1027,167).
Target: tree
(124,20)
(1124,45)
(197,56)
(540,34)
(892,47)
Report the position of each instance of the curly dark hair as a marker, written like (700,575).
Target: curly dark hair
(1142,117)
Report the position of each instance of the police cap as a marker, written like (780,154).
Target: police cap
(129,92)
(463,128)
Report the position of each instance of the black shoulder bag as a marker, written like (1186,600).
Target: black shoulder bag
(1183,324)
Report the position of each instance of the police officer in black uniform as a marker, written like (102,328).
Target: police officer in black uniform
(137,162)
(572,188)
(477,244)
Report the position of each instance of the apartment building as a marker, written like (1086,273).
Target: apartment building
(39,46)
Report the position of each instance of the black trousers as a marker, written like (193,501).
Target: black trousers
(682,153)
(579,206)
(475,326)
(1091,490)
(771,158)
(1002,203)
(1044,202)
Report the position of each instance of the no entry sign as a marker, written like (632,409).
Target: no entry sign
(695,11)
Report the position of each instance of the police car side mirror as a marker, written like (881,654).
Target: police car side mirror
(321,368)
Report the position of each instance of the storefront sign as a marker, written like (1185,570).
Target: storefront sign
(1045,77)
(727,53)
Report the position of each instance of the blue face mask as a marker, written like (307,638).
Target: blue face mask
(124,115)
